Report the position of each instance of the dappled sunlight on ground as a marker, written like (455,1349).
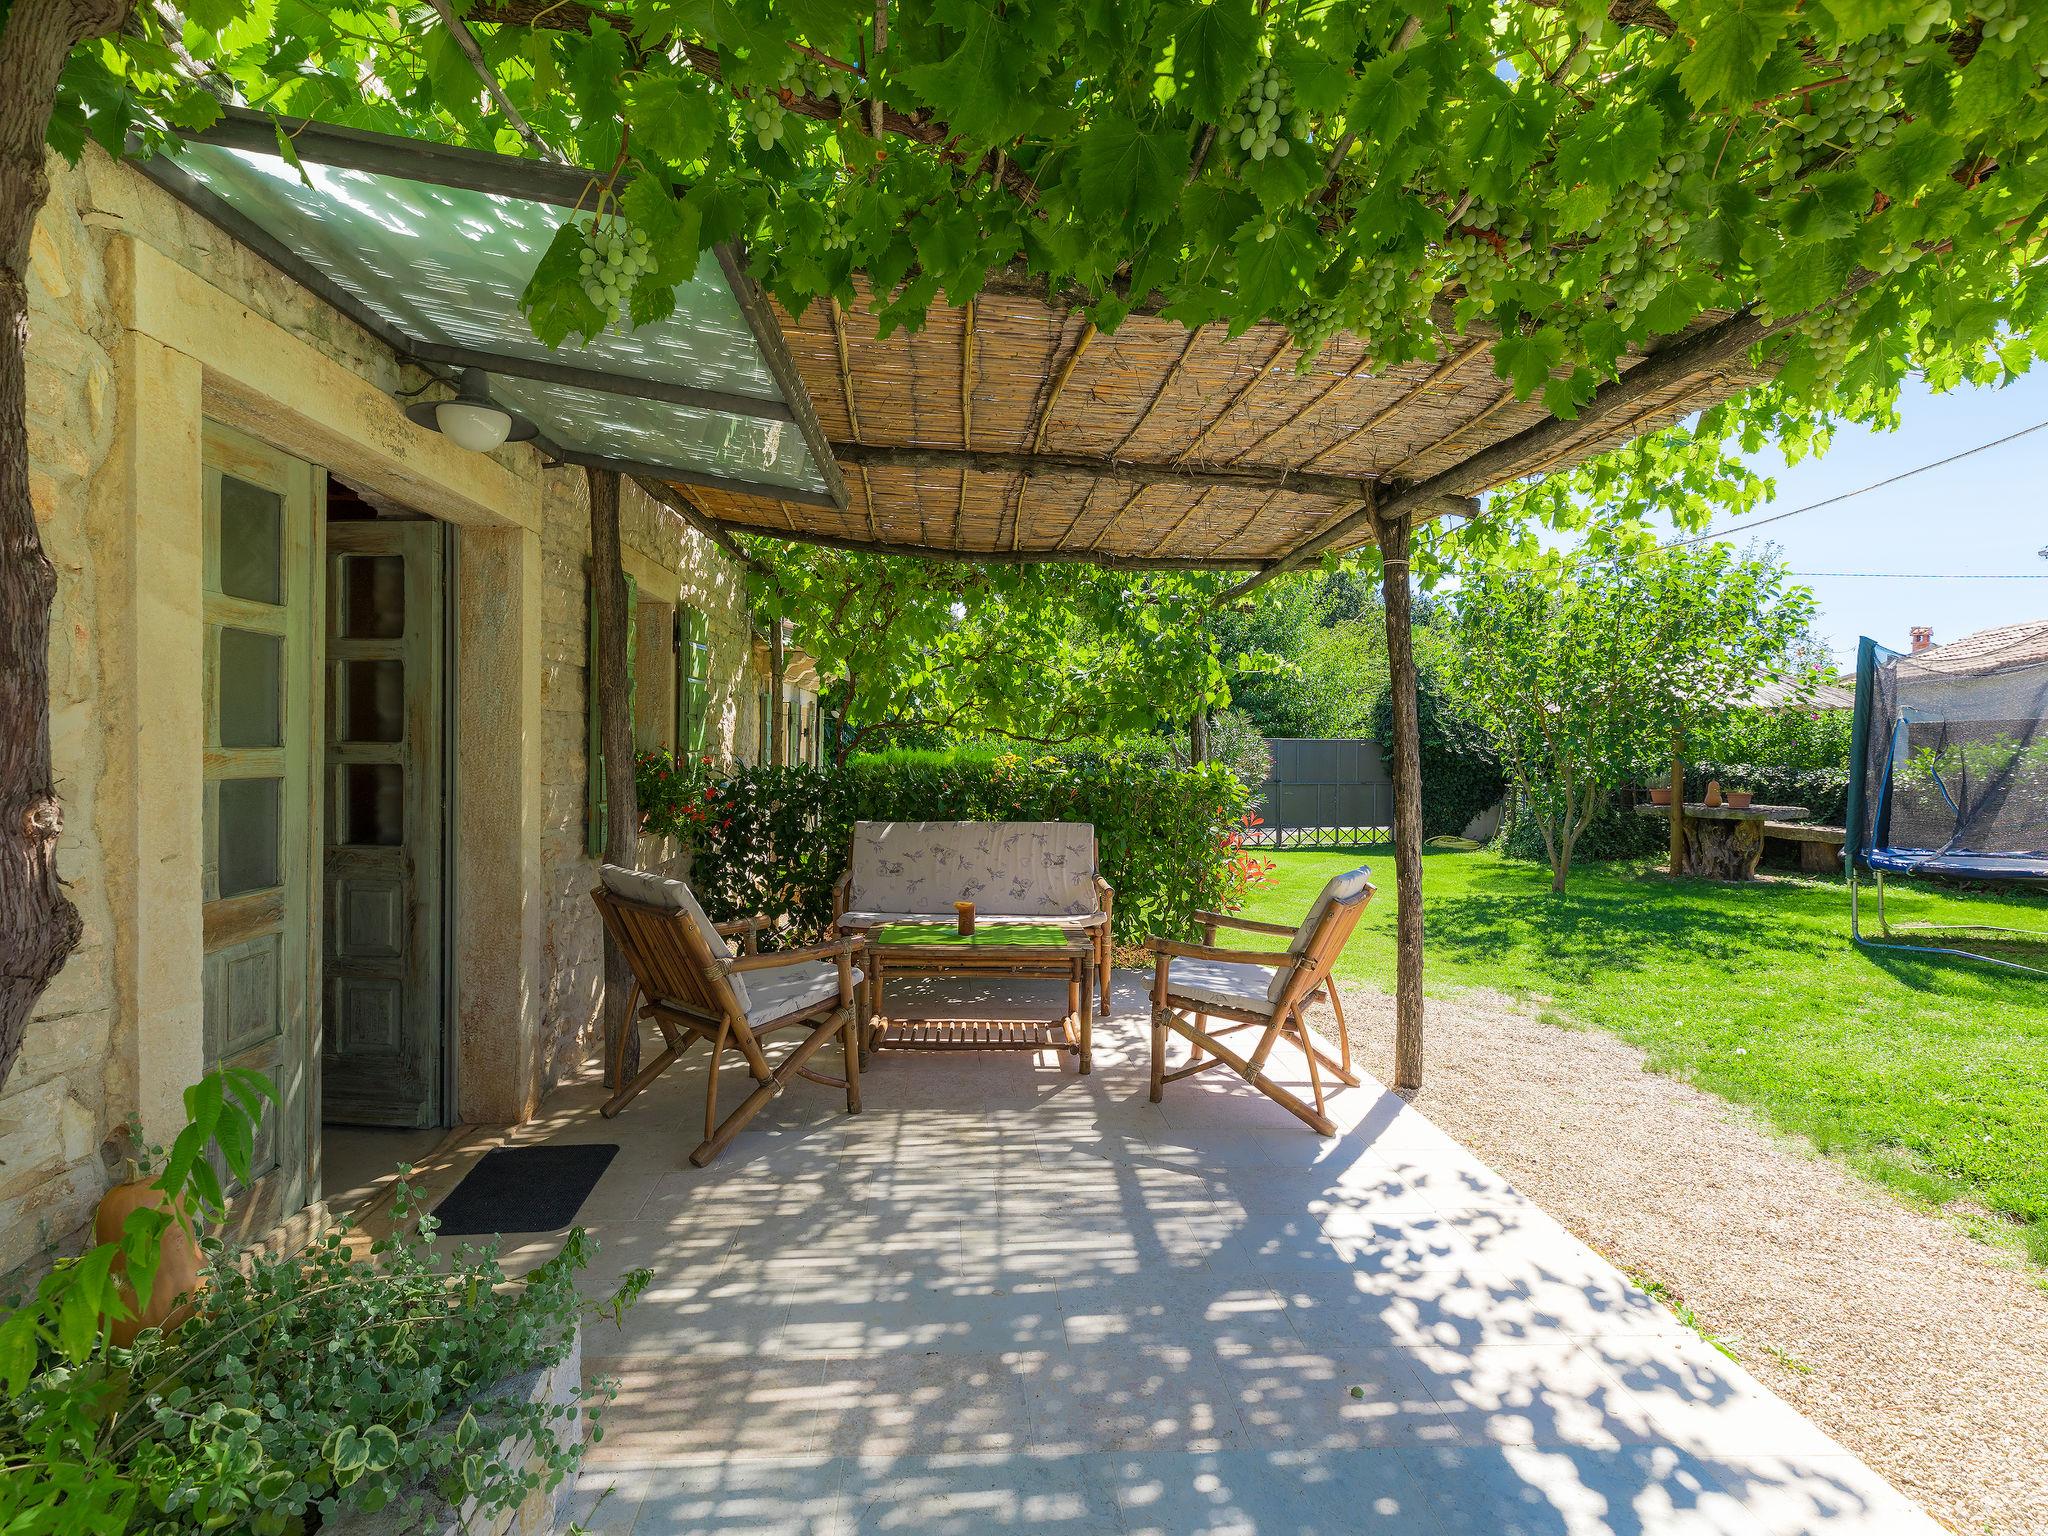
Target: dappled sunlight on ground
(1009,1298)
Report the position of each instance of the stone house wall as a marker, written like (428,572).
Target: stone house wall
(109,245)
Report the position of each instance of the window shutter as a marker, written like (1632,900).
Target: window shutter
(594,800)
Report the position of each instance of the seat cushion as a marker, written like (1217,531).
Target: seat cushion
(857,921)
(787,989)
(672,896)
(1224,983)
(1019,868)
(1337,888)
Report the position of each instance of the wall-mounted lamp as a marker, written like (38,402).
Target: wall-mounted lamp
(472,420)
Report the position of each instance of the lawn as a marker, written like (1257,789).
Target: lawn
(1929,1075)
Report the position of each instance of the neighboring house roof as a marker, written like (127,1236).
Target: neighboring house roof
(1989,650)
(1791,694)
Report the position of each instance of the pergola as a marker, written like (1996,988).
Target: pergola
(1006,428)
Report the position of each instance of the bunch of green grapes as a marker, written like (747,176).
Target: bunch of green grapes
(613,257)
(1484,248)
(1266,115)
(1647,222)
(1312,329)
(1391,296)
(2002,18)
(815,79)
(763,112)
(1859,112)
(1831,331)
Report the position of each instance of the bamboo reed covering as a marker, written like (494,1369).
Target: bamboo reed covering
(1012,375)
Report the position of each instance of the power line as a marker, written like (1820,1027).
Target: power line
(1929,575)
(1875,485)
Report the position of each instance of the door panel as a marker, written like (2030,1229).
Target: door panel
(262,583)
(381,1062)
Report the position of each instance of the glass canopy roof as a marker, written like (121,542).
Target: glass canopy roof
(444,266)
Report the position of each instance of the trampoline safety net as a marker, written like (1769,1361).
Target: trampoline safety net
(1949,762)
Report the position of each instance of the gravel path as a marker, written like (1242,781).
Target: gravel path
(1918,1348)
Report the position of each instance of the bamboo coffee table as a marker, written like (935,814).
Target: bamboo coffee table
(1028,951)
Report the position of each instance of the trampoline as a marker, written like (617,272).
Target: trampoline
(1948,776)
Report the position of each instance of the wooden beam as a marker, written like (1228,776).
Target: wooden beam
(994,461)
(761,320)
(845,366)
(672,497)
(615,738)
(1720,345)
(1059,384)
(966,410)
(800,535)
(1392,534)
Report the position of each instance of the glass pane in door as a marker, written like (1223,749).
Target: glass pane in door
(251,541)
(373,701)
(251,680)
(372,597)
(247,829)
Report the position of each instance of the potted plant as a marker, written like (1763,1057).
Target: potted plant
(1661,795)
(1740,799)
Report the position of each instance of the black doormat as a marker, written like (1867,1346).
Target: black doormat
(524,1189)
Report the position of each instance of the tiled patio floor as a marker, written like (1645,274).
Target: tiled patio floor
(1006,1298)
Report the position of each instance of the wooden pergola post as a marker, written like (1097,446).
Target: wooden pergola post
(778,670)
(1393,536)
(615,737)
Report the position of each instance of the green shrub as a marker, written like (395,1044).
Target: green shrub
(1170,839)
(1823,791)
(299,1385)
(1615,832)
(1460,774)
(1789,738)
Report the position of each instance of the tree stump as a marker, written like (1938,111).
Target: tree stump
(1723,850)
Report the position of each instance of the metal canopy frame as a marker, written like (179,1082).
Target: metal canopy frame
(473,170)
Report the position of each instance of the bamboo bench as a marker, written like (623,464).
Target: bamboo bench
(1820,848)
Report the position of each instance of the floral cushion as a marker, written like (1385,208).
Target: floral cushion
(1007,868)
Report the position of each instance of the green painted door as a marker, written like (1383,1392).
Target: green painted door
(261,596)
(381,1061)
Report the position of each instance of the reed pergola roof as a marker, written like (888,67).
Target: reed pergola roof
(1010,428)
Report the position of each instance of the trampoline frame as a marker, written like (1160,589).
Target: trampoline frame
(1859,740)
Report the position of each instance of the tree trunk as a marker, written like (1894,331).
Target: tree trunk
(38,926)
(1677,802)
(615,734)
(1407,773)
(778,673)
(1198,736)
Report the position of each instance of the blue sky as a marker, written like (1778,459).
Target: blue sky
(1986,515)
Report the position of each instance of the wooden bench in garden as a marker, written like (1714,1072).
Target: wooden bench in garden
(1820,848)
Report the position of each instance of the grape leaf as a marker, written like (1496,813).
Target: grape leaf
(1732,43)
(1215,49)
(1126,173)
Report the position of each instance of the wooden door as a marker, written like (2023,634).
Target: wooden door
(381,1060)
(261,598)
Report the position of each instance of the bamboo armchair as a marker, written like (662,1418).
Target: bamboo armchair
(688,981)
(1269,991)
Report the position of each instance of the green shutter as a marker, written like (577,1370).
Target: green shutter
(699,658)
(594,802)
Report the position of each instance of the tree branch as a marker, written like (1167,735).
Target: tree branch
(473,51)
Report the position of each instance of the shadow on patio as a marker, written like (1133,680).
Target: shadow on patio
(1006,1297)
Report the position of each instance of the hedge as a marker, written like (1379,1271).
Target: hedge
(775,840)
(1461,776)
(1823,791)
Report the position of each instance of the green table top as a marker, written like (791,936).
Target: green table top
(985,936)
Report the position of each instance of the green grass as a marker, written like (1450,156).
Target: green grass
(1928,1075)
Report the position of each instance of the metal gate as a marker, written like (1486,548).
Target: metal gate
(1330,792)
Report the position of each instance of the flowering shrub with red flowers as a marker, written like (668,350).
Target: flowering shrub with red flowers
(678,797)
(1170,839)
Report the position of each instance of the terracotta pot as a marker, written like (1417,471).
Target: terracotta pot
(177,1271)
(1661,796)
(1739,799)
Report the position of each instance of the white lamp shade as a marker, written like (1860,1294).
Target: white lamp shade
(479,428)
